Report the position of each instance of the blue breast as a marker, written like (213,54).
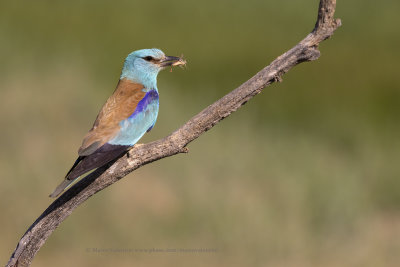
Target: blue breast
(141,120)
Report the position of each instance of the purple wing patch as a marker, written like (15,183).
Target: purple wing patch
(149,97)
(151,127)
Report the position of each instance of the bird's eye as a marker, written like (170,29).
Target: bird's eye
(148,58)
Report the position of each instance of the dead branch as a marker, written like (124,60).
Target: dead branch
(140,155)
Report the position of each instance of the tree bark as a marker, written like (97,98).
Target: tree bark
(142,154)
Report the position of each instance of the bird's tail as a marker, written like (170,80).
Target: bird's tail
(60,188)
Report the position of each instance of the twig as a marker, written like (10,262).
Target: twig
(140,155)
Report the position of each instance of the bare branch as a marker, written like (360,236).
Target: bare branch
(140,155)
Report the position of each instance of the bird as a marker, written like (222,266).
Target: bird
(127,115)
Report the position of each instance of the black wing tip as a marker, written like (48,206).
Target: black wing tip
(100,157)
(84,164)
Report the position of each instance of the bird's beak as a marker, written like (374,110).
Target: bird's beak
(172,61)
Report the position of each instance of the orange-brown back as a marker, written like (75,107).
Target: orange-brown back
(119,106)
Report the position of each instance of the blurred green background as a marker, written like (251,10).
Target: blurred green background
(305,174)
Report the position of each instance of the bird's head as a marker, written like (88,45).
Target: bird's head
(142,66)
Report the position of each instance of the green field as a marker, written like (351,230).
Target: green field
(305,174)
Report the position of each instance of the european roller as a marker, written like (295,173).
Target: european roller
(127,115)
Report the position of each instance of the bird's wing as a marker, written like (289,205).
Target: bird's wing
(100,157)
(84,164)
(118,107)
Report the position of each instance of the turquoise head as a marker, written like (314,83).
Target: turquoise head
(142,66)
